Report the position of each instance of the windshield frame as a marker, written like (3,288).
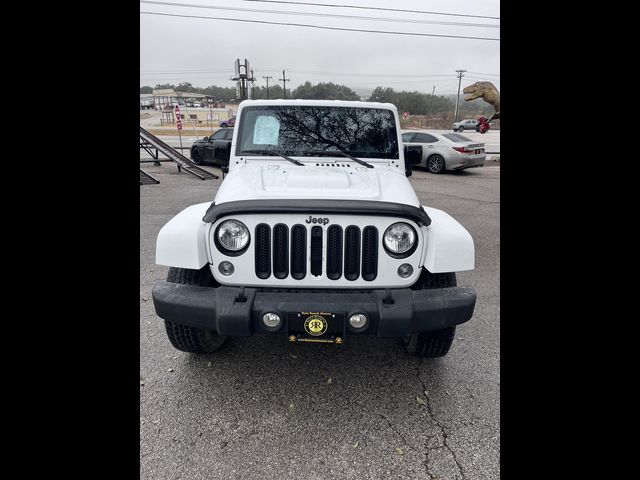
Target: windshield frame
(394,137)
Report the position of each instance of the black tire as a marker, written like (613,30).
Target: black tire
(185,337)
(435,164)
(223,125)
(435,343)
(460,129)
(195,156)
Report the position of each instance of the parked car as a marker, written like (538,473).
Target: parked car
(445,151)
(468,124)
(315,235)
(229,122)
(202,150)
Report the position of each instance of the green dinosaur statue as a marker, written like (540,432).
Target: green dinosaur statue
(488,92)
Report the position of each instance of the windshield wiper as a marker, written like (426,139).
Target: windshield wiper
(274,153)
(340,153)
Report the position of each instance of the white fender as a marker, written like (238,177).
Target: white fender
(449,247)
(181,242)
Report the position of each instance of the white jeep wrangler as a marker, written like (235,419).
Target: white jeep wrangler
(315,234)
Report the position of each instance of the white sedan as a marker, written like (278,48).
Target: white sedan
(443,151)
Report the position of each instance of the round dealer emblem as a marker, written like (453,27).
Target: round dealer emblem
(315,325)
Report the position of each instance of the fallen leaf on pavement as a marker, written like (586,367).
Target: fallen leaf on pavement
(399,451)
(420,400)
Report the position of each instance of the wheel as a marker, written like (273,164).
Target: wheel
(435,164)
(461,129)
(435,343)
(195,156)
(223,125)
(184,337)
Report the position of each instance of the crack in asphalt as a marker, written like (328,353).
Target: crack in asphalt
(443,432)
(405,441)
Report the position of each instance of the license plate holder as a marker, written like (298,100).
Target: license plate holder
(316,327)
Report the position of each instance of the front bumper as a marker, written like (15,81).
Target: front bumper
(234,311)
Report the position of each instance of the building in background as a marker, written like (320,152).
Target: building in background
(166,99)
(146,101)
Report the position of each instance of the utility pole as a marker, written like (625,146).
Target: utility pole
(284,83)
(253,88)
(459,72)
(431,103)
(267,78)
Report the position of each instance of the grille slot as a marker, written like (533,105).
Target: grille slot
(285,251)
(316,251)
(263,251)
(352,253)
(334,252)
(298,252)
(369,253)
(280,251)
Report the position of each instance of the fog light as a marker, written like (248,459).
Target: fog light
(226,268)
(405,270)
(358,321)
(271,320)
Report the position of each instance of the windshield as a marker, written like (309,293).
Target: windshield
(305,130)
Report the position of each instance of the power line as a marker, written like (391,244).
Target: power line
(296,70)
(371,8)
(318,26)
(316,14)
(486,74)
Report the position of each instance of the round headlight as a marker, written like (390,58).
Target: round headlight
(399,238)
(233,235)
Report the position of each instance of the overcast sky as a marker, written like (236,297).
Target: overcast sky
(203,51)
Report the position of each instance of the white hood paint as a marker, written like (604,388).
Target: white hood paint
(268,179)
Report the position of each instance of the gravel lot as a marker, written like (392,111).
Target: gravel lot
(262,408)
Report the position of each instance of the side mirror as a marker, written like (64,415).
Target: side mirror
(222,152)
(412,156)
(206,139)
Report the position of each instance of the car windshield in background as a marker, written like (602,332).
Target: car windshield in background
(309,130)
(456,137)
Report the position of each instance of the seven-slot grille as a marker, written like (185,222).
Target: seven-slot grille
(351,252)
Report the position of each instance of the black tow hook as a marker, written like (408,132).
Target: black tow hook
(388,300)
(241,297)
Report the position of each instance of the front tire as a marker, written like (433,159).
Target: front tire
(435,164)
(435,343)
(223,125)
(185,337)
(460,129)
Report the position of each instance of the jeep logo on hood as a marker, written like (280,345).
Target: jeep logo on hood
(321,221)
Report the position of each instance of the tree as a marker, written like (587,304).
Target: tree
(324,91)
(146,89)
(415,102)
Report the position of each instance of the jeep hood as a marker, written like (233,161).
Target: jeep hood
(282,181)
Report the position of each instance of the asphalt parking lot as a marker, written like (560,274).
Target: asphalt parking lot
(264,409)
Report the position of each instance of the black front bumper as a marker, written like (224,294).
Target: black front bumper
(235,311)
